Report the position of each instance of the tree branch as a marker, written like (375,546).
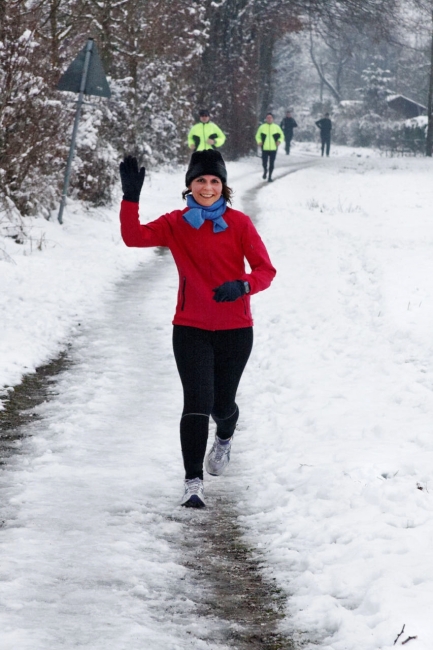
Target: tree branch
(320,72)
(399,635)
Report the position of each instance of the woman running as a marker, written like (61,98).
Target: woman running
(212,325)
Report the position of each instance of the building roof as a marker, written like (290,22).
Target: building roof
(405,106)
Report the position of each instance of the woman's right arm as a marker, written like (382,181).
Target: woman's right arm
(154,233)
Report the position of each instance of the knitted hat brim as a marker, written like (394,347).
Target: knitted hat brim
(208,162)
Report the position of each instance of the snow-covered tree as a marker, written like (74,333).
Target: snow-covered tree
(31,119)
(165,59)
(376,89)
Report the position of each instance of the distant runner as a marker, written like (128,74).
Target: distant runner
(212,334)
(269,136)
(205,134)
(325,126)
(288,123)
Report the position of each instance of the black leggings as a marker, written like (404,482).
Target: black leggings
(210,365)
(268,155)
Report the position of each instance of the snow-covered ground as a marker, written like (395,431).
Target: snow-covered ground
(332,465)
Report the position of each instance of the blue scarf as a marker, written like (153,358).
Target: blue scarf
(197,214)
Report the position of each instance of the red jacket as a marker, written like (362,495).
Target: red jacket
(204,261)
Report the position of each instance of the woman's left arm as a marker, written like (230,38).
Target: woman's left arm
(262,270)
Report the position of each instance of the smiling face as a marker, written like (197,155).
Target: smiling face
(206,189)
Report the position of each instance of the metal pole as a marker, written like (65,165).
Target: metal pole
(75,129)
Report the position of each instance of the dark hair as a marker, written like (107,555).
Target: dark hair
(227,193)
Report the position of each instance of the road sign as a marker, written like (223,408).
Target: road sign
(96,81)
(85,76)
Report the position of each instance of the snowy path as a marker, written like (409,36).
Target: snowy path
(95,547)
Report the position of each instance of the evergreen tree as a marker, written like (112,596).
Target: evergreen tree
(376,89)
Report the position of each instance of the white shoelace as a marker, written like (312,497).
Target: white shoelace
(194,485)
(221,450)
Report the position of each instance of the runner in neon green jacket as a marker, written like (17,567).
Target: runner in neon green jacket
(205,134)
(269,136)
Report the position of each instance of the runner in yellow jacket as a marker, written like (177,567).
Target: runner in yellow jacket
(269,136)
(205,134)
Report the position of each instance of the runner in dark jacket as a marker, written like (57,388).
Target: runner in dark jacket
(288,123)
(325,126)
(213,335)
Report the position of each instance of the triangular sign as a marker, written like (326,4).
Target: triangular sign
(96,82)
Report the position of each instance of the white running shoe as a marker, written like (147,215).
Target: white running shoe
(194,494)
(219,456)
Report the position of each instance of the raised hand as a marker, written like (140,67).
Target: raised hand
(132,179)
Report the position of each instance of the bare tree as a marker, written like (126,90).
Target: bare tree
(237,79)
(417,18)
(338,30)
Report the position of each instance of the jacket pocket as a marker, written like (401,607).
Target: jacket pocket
(183,294)
(247,311)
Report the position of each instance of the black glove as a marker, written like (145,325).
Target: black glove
(229,291)
(132,179)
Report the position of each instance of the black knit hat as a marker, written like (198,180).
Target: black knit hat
(208,161)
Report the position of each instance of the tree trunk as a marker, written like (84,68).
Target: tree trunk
(265,56)
(429,138)
(228,86)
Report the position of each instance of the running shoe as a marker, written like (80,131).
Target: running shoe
(219,457)
(194,494)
